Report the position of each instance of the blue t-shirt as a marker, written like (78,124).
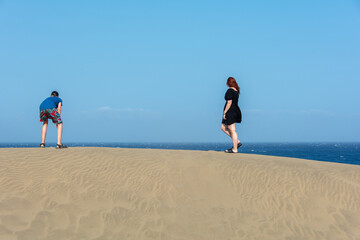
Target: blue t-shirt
(50,103)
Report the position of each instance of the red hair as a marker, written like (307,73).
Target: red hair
(231,82)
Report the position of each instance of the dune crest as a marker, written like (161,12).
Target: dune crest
(111,193)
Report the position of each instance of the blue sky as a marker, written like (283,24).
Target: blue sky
(155,71)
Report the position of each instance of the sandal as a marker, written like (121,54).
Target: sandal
(42,145)
(59,146)
(229,151)
(239,145)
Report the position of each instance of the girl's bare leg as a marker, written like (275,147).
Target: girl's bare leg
(59,132)
(43,132)
(234,136)
(226,130)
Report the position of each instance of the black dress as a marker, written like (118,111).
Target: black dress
(233,115)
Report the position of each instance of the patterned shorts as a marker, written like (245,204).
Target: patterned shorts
(53,114)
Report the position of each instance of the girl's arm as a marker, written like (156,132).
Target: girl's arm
(59,108)
(228,105)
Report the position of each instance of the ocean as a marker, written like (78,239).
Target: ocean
(348,153)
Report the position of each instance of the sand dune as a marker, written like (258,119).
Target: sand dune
(107,193)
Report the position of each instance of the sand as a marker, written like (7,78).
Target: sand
(109,193)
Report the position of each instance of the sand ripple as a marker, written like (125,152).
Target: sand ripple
(106,193)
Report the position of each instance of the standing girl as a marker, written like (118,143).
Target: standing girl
(232,114)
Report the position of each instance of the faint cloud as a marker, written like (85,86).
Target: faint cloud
(106,108)
(120,113)
(107,113)
(316,112)
(110,109)
(291,112)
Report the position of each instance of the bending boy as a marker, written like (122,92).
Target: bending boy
(50,108)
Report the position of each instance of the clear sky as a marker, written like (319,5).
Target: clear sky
(155,71)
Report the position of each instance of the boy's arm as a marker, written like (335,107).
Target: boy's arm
(59,108)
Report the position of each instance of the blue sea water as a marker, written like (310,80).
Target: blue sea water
(348,153)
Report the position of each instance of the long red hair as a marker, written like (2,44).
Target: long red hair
(231,82)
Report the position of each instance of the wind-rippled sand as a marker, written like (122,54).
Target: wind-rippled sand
(108,193)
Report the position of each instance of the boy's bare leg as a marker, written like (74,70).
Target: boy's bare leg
(59,132)
(43,132)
